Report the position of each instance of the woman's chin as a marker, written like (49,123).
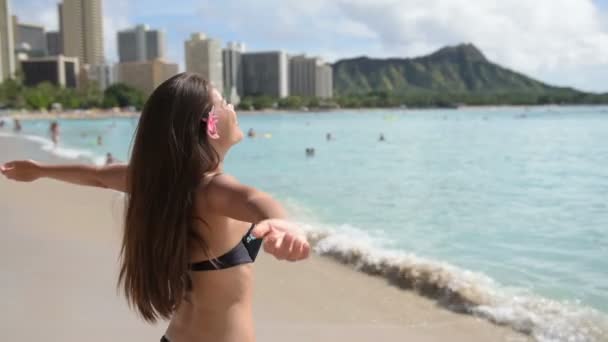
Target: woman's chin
(239,136)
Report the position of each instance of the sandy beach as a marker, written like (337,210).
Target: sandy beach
(59,267)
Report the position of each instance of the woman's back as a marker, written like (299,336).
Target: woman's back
(219,306)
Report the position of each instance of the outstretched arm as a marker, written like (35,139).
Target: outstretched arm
(111,176)
(225,196)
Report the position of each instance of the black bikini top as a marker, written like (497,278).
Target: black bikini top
(243,253)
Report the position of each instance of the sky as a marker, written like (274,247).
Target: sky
(561,42)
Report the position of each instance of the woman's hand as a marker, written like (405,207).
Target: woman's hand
(21,170)
(282,239)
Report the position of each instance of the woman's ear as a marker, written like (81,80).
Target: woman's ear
(211,121)
(212,134)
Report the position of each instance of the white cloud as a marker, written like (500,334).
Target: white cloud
(528,35)
(284,23)
(540,37)
(37,12)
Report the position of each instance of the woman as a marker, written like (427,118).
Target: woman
(191,231)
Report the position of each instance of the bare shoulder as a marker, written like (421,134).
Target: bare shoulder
(224,195)
(217,190)
(218,180)
(217,184)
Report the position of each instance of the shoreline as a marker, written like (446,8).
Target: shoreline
(316,300)
(23,114)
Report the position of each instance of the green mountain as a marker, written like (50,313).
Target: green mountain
(461,69)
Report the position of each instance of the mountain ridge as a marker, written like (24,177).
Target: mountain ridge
(462,69)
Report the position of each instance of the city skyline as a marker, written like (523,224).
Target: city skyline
(529,37)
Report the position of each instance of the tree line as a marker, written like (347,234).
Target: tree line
(13,94)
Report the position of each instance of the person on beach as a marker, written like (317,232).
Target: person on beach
(110,159)
(17,126)
(54,130)
(1,123)
(191,231)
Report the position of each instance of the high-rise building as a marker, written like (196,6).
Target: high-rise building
(265,73)
(29,39)
(140,44)
(141,52)
(146,76)
(54,39)
(81,25)
(325,81)
(302,74)
(58,70)
(232,71)
(53,43)
(128,49)
(204,56)
(155,44)
(310,77)
(7,48)
(60,16)
(101,74)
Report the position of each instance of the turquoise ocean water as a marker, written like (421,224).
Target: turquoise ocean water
(506,207)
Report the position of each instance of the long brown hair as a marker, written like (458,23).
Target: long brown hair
(170,154)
